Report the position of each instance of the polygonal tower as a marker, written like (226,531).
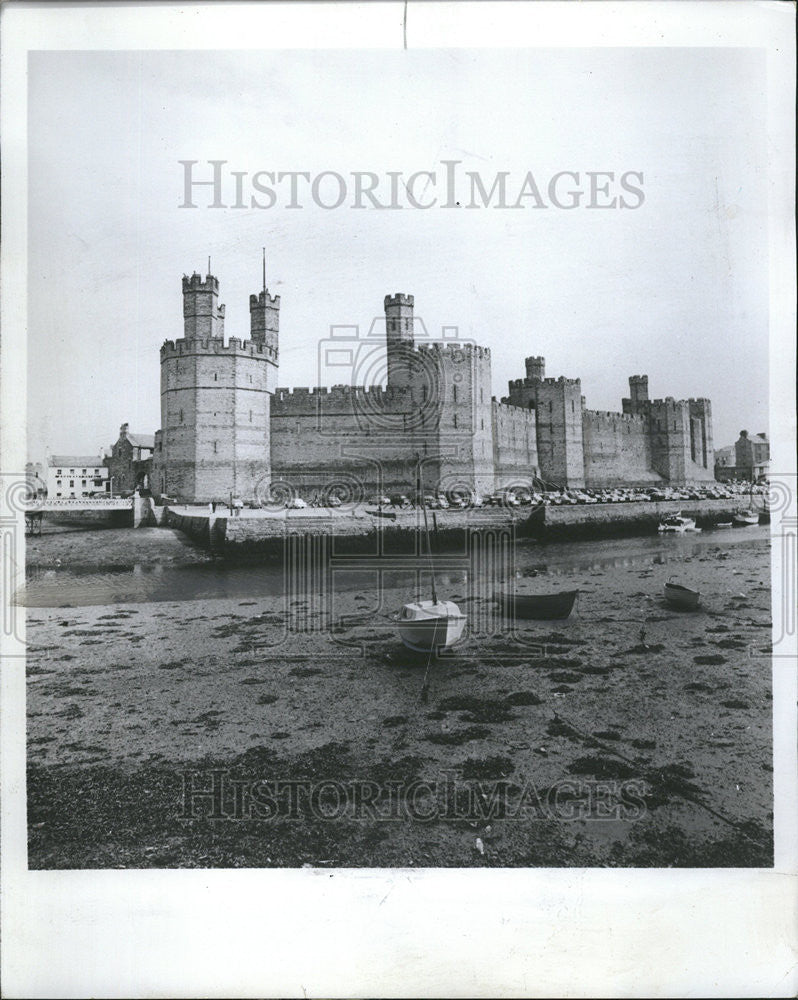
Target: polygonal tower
(216,400)
(399,340)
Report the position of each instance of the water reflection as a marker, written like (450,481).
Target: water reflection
(311,573)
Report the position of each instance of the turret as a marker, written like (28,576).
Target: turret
(638,389)
(264,319)
(264,316)
(535,367)
(203,317)
(399,339)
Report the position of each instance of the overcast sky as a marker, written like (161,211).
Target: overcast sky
(676,289)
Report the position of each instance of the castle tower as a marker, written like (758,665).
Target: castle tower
(264,316)
(203,317)
(399,340)
(535,368)
(215,404)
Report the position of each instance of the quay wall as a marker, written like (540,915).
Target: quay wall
(636,518)
(359,532)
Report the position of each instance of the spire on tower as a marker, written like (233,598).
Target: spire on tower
(209,263)
(264,269)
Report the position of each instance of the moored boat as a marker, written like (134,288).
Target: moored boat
(723,524)
(539,606)
(681,597)
(677,523)
(746,517)
(431,625)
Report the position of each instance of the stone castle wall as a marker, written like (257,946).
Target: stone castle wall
(617,449)
(227,429)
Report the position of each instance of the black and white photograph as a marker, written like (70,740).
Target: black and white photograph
(398,465)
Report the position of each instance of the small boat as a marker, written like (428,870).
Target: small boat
(723,524)
(428,626)
(431,625)
(540,606)
(744,517)
(677,523)
(681,597)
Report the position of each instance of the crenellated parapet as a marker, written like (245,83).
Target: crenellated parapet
(399,299)
(211,346)
(196,283)
(263,300)
(455,352)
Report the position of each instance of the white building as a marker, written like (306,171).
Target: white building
(76,476)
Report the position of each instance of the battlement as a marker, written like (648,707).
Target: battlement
(399,299)
(570,383)
(214,346)
(339,392)
(263,299)
(196,284)
(605,417)
(512,409)
(528,383)
(454,351)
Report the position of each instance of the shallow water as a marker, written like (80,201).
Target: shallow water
(493,565)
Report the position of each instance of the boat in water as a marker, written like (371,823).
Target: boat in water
(677,523)
(746,517)
(431,625)
(539,606)
(681,597)
(723,524)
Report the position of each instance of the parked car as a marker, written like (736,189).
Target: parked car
(400,500)
(379,501)
(296,503)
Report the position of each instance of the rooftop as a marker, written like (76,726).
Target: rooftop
(75,461)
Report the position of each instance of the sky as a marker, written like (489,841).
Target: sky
(676,288)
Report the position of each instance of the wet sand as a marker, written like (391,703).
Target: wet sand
(609,747)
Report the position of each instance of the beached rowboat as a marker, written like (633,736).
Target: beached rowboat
(540,606)
(681,597)
(744,517)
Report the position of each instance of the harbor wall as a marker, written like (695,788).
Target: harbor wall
(636,518)
(361,532)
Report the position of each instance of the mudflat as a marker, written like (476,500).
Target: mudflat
(233,732)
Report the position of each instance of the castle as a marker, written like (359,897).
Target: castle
(227,429)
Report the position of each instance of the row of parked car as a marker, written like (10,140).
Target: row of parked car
(522,497)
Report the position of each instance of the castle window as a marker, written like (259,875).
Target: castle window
(214,447)
(58,482)
(250,378)
(549,406)
(71,483)
(482,395)
(181,416)
(215,376)
(572,406)
(455,420)
(250,416)
(454,393)
(482,423)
